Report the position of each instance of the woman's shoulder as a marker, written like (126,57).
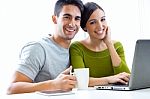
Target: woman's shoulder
(76,44)
(117,44)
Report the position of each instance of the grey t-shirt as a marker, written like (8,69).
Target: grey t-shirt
(43,60)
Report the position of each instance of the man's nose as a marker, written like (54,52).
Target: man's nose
(72,23)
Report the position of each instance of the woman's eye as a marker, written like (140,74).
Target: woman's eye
(93,22)
(103,20)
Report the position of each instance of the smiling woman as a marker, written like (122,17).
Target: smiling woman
(103,56)
(25,20)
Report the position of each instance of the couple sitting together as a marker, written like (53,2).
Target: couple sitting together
(46,64)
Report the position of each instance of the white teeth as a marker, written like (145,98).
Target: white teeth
(70,30)
(99,32)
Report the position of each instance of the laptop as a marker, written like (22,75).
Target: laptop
(140,73)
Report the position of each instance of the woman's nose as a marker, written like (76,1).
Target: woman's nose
(100,25)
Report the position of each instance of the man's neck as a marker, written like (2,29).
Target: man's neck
(60,41)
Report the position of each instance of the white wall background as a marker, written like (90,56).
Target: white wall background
(22,21)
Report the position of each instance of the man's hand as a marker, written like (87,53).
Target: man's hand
(65,81)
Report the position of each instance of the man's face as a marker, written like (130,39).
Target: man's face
(68,22)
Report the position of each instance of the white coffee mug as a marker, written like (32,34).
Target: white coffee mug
(82,76)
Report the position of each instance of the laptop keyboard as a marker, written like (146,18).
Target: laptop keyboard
(120,84)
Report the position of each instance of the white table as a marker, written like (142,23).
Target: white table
(87,94)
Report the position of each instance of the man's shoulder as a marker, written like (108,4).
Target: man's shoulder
(41,42)
(35,45)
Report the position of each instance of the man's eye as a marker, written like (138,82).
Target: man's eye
(66,17)
(78,19)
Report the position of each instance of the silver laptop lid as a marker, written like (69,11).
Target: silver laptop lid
(140,77)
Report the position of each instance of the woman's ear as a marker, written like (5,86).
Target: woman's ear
(54,19)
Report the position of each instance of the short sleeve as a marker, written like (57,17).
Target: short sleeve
(31,60)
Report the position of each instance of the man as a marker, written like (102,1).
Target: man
(42,64)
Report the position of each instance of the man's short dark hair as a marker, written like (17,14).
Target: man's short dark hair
(60,3)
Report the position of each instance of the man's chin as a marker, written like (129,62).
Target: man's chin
(69,38)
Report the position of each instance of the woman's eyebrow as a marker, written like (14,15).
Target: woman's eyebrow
(91,20)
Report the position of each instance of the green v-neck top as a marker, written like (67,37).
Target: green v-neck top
(99,63)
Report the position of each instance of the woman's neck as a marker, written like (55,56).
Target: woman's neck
(94,45)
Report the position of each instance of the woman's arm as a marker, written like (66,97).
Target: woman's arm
(121,77)
(76,55)
(117,54)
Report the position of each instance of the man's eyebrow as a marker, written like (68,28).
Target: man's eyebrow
(71,15)
(78,17)
(66,14)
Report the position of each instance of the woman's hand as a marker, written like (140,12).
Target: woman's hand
(119,78)
(107,38)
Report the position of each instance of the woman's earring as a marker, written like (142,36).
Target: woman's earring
(85,29)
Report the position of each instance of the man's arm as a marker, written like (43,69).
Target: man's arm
(23,84)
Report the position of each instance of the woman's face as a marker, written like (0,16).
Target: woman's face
(96,25)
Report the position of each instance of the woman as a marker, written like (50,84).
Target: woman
(104,57)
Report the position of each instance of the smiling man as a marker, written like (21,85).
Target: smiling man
(44,64)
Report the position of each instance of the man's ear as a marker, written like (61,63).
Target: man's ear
(54,19)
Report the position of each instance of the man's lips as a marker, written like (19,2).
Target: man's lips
(70,29)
